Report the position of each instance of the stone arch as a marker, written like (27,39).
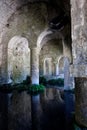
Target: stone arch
(47,35)
(18,59)
(47,67)
(44,37)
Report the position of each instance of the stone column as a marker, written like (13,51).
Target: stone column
(57,69)
(35,99)
(79,49)
(68,77)
(66,74)
(35,66)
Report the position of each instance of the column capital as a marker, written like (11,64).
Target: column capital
(35,49)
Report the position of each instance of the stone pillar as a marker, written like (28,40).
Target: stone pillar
(35,66)
(66,74)
(67,49)
(79,49)
(35,99)
(57,69)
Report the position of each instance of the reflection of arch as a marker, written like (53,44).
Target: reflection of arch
(18,59)
(47,66)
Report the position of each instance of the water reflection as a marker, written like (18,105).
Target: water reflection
(69,98)
(56,115)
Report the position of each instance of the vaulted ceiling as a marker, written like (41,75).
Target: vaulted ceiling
(8,7)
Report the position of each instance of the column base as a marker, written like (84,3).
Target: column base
(79,127)
(81,100)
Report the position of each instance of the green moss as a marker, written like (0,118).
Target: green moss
(58,82)
(35,89)
(31,89)
(42,80)
(27,81)
(9,88)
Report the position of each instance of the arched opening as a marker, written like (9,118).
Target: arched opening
(18,59)
(50,48)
